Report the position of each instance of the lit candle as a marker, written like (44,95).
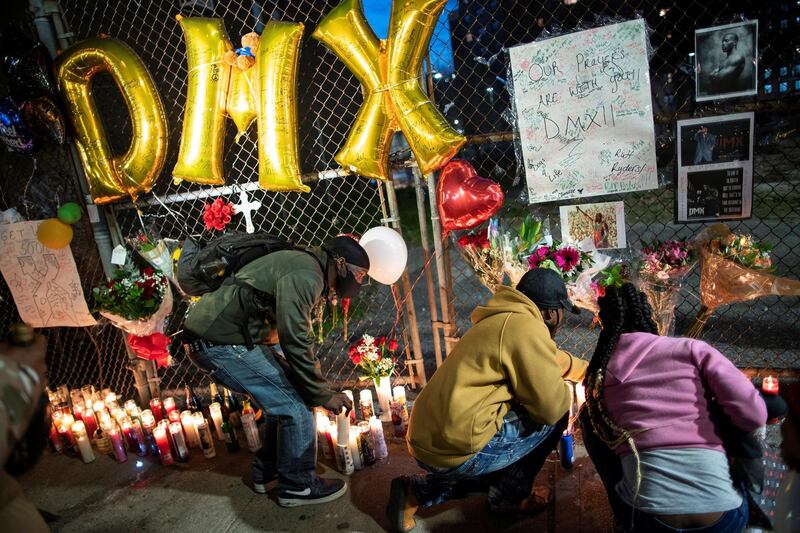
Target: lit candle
(155,406)
(127,430)
(129,406)
(68,420)
(349,394)
(192,439)
(174,416)
(365,444)
(206,441)
(322,430)
(376,430)
(105,420)
(88,394)
(98,406)
(148,425)
(162,443)
(55,439)
(119,415)
(770,385)
(111,400)
(399,394)
(251,431)
(176,432)
(82,440)
(342,428)
(87,415)
(367,407)
(116,445)
(77,409)
(169,404)
(352,444)
(138,435)
(215,409)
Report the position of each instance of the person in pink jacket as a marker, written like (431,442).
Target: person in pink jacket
(648,426)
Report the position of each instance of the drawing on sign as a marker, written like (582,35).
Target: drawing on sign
(584,114)
(715,168)
(603,223)
(43,282)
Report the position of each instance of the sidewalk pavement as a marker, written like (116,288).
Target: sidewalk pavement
(211,495)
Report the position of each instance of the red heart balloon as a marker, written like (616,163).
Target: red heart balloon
(465,199)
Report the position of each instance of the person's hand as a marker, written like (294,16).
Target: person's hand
(337,401)
(32,355)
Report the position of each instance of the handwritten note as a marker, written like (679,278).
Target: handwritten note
(43,282)
(584,113)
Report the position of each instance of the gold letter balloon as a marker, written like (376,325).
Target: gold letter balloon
(266,91)
(111,178)
(389,74)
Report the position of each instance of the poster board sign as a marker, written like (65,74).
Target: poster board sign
(584,113)
(715,168)
(44,282)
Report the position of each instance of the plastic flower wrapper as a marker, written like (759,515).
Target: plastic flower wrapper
(374,357)
(582,289)
(153,347)
(734,268)
(155,251)
(485,258)
(138,301)
(662,268)
(517,250)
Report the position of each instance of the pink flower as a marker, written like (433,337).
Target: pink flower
(662,275)
(538,255)
(567,258)
(599,290)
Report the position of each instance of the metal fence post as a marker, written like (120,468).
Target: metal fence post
(426,254)
(416,344)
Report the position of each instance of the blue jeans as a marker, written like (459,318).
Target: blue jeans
(609,468)
(505,467)
(291,442)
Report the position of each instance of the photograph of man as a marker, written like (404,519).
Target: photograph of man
(726,60)
(704,146)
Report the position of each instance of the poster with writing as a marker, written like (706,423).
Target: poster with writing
(715,168)
(43,282)
(584,113)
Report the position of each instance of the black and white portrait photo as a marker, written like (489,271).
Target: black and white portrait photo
(726,61)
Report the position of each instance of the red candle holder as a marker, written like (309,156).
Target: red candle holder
(770,385)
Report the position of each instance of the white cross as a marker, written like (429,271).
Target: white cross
(246,207)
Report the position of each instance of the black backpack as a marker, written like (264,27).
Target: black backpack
(202,270)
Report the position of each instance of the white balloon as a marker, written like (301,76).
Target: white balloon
(387,254)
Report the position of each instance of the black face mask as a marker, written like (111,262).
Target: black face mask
(347,286)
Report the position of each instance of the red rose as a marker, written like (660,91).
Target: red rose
(148,271)
(381,341)
(393,345)
(355,357)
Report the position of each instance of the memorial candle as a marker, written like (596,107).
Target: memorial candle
(174,416)
(176,432)
(98,407)
(149,424)
(88,394)
(55,439)
(192,439)
(365,401)
(215,410)
(68,420)
(78,430)
(87,415)
(349,394)
(162,443)
(376,430)
(169,405)
(204,434)
(322,432)
(127,430)
(111,400)
(138,435)
(155,406)
(129,406)
(116,444)
(77,409)
(770,385)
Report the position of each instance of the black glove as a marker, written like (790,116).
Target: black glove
(337,401)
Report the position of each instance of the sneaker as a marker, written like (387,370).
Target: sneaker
(402,505)
(262,478)
(538,500)
(321,491)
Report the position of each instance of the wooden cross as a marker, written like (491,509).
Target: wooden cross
(246,207)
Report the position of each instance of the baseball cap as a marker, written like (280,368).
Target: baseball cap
(546,289)
(348,248)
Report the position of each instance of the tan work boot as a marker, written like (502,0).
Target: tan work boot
(402,505)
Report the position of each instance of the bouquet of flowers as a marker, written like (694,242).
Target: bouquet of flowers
(516,251)
(734,268)
(484,257)
(374,357)
(154,251)
(566,259)
(137,301)
(661,272)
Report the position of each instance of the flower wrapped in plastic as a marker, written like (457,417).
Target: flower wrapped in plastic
(484,258)
(156,252)
(138,301)
(663,267)
(734,268)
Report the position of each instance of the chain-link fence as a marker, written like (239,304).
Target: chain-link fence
(467,77)
(35,185)
(472,91)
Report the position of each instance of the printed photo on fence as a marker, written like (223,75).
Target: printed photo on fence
(603,223)
(584,113)
(726,61)
(715,168)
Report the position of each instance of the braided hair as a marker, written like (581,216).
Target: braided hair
(622,310)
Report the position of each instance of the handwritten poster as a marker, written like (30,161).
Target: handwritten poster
(584,113)
(44,282)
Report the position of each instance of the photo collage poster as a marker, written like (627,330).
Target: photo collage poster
(715,168)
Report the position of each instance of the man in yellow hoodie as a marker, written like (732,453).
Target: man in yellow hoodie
(496,408)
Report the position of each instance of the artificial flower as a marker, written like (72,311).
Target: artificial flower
(217,214)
